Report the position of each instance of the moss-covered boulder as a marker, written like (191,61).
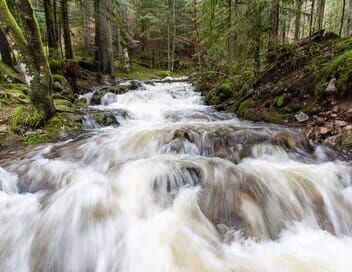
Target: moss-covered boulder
(62,105)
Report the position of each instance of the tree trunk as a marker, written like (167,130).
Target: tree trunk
(66,30)
(311,19)
(173,35)
(198,45)
(320,15)
(103,38)
(274,26)
(85,24)
(168,38)
(33,61)
(298,19)
(349,24)
(342,16)
(5,50)
(53,42)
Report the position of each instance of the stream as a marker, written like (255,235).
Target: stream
(176,186)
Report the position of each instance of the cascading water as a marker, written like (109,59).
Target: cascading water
(177,187)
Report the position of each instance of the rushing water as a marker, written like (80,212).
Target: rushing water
(177,187)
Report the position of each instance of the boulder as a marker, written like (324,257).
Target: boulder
(331,88)
(302,117)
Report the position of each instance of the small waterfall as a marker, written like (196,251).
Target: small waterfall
(176,186)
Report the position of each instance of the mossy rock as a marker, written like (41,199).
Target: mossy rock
(247,110)
(273,115)
(225,92)
(57,128)
(63,105)
(81,103)
(58,78)
(347,143)
(105,118)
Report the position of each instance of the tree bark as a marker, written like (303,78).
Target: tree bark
(298,19)
(173,53)
(85,24)
(53,42)
(274,26)
(5,50)
(349,24)
(311,19)
(342,16)
(33,61)
(320,15)
(103,38)
(66,30)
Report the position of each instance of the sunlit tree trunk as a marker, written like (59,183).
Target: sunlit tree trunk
(23,29)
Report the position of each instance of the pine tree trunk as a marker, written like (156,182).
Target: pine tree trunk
(85,24)
(298,19)
(103,38)
(320,15)
(66,30)
(53,42)
(342,16)
(5,50)
(349,20)
(311,18)
(33,61)
(274,27)
(173,53)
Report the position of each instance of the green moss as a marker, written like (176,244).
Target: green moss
(347,143)
(9,74)
(246,110)
(25,117)
(279,101)
(225,92)
(99,117)
(81,103)
(37,139)
(339,67)
(58,77)
(63,105)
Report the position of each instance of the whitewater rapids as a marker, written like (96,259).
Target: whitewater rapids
(176,187)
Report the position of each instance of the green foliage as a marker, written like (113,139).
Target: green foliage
(26,117)
(281,101)
(339,67)
(225,92)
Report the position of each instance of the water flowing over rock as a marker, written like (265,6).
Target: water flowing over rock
(176,186)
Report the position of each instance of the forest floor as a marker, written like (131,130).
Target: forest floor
(308,86)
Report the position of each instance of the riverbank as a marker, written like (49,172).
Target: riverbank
(19,123)
(309,86)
